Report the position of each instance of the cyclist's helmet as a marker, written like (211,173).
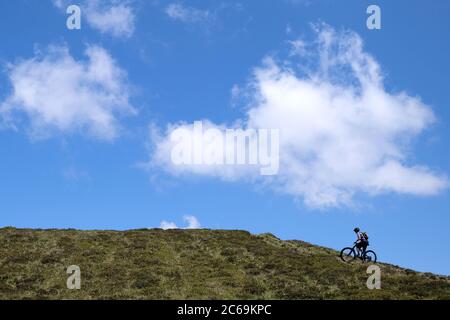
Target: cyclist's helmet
(356,229)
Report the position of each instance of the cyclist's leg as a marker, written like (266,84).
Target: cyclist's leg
(364,248)
(358,249)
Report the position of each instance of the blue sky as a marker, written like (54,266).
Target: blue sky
(79,153)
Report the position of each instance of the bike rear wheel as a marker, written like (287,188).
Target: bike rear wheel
(348,254)
(370,256)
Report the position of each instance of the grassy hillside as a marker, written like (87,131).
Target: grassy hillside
(191,264)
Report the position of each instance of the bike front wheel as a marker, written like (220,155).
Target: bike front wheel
(348,254)
(370,256)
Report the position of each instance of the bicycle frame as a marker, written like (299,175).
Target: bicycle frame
(364,255)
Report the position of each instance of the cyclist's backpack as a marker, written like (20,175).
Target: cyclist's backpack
(365,236)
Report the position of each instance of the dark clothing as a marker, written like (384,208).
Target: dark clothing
(362,244)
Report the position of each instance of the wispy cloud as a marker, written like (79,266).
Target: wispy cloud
(305,3)
(57,92)
(298,47)
(75,174)
(341,132)
(117,19)
(180,12)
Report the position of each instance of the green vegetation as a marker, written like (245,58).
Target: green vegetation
(192,264)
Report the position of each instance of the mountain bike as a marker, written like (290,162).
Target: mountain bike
(349,254)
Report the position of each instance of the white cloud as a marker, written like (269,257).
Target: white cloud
(113,17)
(57,92)
(192,223)
(177,11)
(342,132)
(298,47)
(165,225)
(116,19)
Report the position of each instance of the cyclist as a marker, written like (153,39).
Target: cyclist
(361,242)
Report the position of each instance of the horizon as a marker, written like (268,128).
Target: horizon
(87,114)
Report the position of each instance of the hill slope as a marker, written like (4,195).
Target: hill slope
(191,264)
